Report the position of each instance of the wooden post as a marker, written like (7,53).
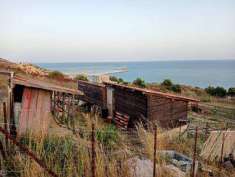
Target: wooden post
(93,155)
(73,114)
(11,106)
(5,122)
(195,152)
(154,151)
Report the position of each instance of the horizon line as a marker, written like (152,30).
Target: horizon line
(131,61)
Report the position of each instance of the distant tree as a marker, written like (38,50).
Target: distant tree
(56,75)
(139,82)
(81,77)
(176,88)
(216,91)
(167,83)
(220,91)
(210,90)
(231,91)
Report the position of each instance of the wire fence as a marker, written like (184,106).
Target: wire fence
(92,158)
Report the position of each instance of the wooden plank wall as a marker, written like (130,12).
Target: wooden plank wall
(93,93)
(166,111)
(131,103)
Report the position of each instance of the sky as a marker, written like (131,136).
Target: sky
(116,30)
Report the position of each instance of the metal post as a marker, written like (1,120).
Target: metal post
(154,152)
(207,127)
(194,153)
(222,148)
(93,164)
(180,131)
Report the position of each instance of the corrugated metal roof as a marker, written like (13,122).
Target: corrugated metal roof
(148,91)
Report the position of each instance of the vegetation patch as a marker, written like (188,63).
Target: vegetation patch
(168,84)
(139,82)
(56,75)
(81,77)
(216,91)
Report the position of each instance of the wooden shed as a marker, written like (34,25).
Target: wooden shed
(132,104)
(94,93)
(30,103)
(147,105)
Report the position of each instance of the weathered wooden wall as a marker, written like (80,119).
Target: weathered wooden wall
(36,111)
(132,103)
(93,93)
(166,111)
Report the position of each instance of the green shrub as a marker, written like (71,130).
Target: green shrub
(231,91)
(167,83)
(139,82)
(113,78)
(56,75)
(220,91)
(210,90)
(216,91)
(118,80)
(176,88)
(81,77)
(108,136)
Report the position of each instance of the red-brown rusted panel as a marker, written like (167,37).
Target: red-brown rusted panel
(36,111)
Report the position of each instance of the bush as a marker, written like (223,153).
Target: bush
(56,75)
(218,91)
(210,90)
(118,80)
(139,82)
(176,88)
(167,83)
(81,77)
(231,91)
(113,78)
(108,136)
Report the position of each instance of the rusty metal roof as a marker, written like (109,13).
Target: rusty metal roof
(35,83)
(148,91)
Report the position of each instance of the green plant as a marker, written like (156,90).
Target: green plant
(216,91)
(139,82)
(231,91)
(118,80)
(81,77)
(220,91)
(167,83)
(56,75)
(107,136)
(113,78)
(176,88)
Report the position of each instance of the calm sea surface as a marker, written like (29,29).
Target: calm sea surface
(196,73)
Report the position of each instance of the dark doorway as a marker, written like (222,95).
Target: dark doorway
(18,93)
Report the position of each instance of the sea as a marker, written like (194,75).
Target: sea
(198,73)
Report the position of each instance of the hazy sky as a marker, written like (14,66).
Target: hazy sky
(116,30)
